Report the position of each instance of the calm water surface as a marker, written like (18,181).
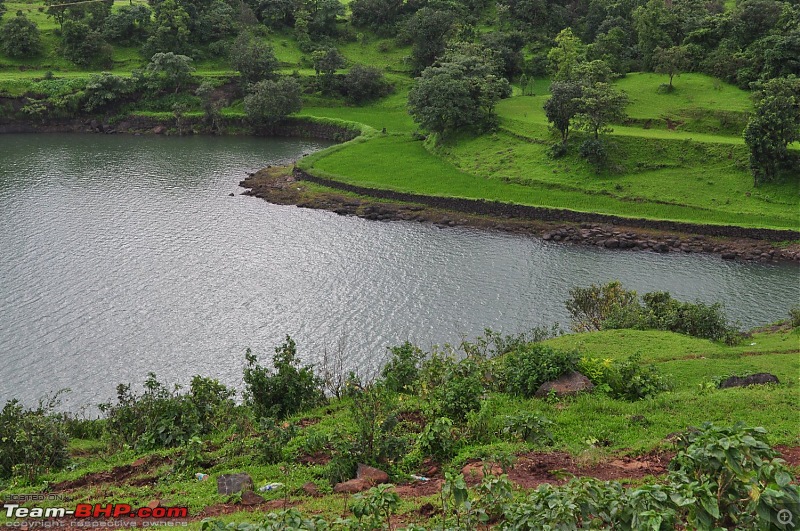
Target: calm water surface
(123,255)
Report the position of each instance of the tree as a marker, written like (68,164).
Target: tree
(364,83)
(211,105)
(19,37)
(563,105)
(326,62)
(268,101)
(172,30)
(600,105)
(671,61)
(129,25)
(565,55)
(84,46)
(772,127)
(168,70)
(428,30)
(2,8)
(380,16)
(460,91)
(655,26)
(104,89)
(254,59)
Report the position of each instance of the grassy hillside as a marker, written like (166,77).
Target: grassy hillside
(592,435)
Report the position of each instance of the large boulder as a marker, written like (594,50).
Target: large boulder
(352,486)
(571,383)
(760,378)
(233,483)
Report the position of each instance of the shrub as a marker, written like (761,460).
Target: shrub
(632,381)
(373,413)
(213,403)
(460,392)
(794,316)
(158,418)
(594,151)
(528,427)
(589,307)
(557,150)
(273,437)
(745,484)
(291,388)
(167,71)
(526,369)
(401,371)
(439,439)
(33,442)
(104,89)
(84,46)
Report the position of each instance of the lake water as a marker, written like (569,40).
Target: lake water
(123,255)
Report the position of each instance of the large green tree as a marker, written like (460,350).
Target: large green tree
(253,58)
(19,37)
(565,55)
(267,102)
(774,125)
(460,91)
(671,61)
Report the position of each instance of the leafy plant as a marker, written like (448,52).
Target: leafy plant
(401,371)
(439,439)
(32,441)
(529,427)
(287,390)
(526,369)
(374,508)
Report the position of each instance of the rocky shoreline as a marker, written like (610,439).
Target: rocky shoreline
(281,185)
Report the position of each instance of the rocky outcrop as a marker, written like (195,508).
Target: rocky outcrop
(760,378)
(233,483)
(569,384)
(366,477)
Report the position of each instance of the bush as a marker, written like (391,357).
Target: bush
(364,83)
(104,89)
(460,392)
(401,371)
(632,381)
(557,150)
(33,442)
(794,316)
(590,307)
(526,369)
(373,412)
(594,151)
(529,427)
(19,37)
(167,71)
(439,439)
(291,388)
(84,46)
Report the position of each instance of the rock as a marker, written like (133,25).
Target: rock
(567,385)
(124,126)
(230,194)
(233,483)
(612,243)
(159,130)
(251,498)
(475,471)
(728,255)
(373,475)
(311,489)
(352,486)
(760,378)
(153,504)
(661,247)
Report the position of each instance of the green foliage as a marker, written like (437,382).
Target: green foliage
(287,390)
(326,62)
(524,370)
(428,30)
(590,307)
(128,25)
(439,439)
(661,312)
(374,508)
(630,380)
(594,150)
(377,434)
(671,61)
(84,46)
(565,55)
(268,102)
(460,390)
(772,127)
(745,485)
(272,439)
(529,427)
(32,442)
(794,316)
(253,58)
(167,71)
(104,90)
(401,371)
(19,37)
(460,91)
(562,106)
(171,33)
(600,105)
(364,83)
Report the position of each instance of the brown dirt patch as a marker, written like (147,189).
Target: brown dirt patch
(317,458)
(137,474)
(790,454)
(305,423)
(418,489)
(557,468)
